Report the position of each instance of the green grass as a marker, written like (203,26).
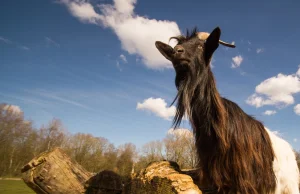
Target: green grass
(14,187)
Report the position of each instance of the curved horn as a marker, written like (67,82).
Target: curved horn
(205,35)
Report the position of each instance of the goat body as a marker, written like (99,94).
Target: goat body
(237,154)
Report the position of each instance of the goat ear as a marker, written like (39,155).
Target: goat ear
(212,43)
(166,50)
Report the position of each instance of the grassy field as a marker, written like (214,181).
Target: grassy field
(14,187)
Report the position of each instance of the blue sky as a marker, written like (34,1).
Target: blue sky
(93,64)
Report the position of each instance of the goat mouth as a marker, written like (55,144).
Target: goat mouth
(179,63)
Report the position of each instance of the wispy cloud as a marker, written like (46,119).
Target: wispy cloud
(270,112)
(259,50)
(56,97)
(277,90)
(130,28)
(5,40)
(295,139)
(236,61)
(123,58)
(50,42)
(129,86)
(28,100)
(24,48)
(118,65)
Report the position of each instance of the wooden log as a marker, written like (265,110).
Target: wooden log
(54,172)
(162,177)
(105,182)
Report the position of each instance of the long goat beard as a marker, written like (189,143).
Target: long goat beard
(186,87)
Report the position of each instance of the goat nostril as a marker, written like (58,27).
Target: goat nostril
(179,50)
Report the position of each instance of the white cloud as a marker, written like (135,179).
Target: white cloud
(125,6)
(259,50)
(13,108)
(297,109)
(49,42)
(236,61)
(255,100)
(180,132)
(123,58)
(277,90)
(270,112)
(136,33)
(83,10)
(295,139)
(5,40)
(158,106)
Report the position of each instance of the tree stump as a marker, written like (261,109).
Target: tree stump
(54,172)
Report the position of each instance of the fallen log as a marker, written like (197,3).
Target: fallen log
(53,173)
(163,177)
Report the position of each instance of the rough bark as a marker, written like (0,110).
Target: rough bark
(105,182)
(162,177)
(53,173)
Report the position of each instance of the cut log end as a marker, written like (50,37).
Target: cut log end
(54,172)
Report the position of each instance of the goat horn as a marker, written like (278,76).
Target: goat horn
(205,35)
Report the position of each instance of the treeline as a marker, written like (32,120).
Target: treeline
(20,142)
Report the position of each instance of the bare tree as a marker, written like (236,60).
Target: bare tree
(52,135)
(153,150)
(179,147)
(127,156)
(15,139)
